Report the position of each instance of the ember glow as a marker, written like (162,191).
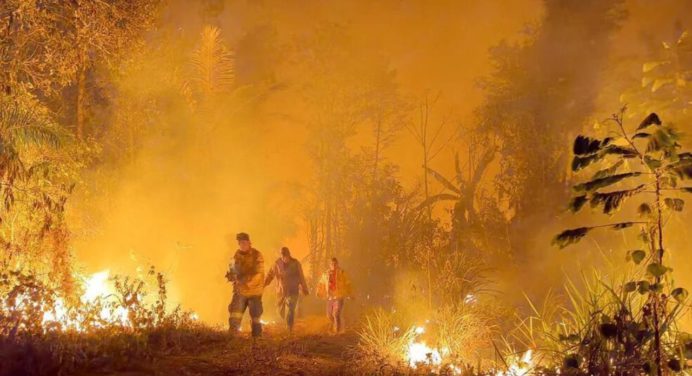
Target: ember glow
(98,295)
(419,352)
(96,287)
(521,367)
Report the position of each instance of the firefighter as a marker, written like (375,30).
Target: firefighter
(290,282)
(334,286)
(247,275)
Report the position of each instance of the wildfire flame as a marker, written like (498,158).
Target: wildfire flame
(97,290)
(96,286)
(520,368)
(419,353)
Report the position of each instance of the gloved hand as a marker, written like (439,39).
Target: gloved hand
(230,276)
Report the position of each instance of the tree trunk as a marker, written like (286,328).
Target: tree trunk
(424,136)
(656,297)
(81,101)
(378,137)
(80,105)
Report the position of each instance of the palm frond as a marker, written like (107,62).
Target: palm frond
(212,63)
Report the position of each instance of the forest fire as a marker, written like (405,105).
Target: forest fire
(98,294)
(345,187)
(523,366)
(419,352)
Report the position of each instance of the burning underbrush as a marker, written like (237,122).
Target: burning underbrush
(111,321)
(455,341)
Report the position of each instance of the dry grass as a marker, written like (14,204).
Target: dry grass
(384,339)
(465,331)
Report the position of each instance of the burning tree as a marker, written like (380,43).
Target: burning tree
(637,331)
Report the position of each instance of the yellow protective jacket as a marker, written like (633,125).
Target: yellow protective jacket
(342,289)
(249,272)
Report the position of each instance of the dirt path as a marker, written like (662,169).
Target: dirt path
(278,354)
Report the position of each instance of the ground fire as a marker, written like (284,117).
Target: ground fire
(345,187)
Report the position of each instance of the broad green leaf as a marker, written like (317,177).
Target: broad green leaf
(651,119)
(623,225)
(577,202)
(625,152)
(586,145)
(674,204)
(680,294)
(669,182)
(682,169)
(637,256)
(608,171)
(570,236)
(611,201)
(643,287)
(661,139)
(630,287)
(657,270)
(644,210)
(579,162)
(603,182)
(652,162)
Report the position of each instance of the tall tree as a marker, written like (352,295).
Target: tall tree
(432,139)
(102,32)
(537,96)
(36,51)
(347,91)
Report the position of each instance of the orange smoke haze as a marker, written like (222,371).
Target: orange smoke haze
(178,199)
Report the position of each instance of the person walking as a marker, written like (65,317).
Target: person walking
(290,282)
(247,275)
(334,286)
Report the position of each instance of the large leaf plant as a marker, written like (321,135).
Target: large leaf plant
(647,168)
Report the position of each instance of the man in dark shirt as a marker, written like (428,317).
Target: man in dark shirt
(290,281)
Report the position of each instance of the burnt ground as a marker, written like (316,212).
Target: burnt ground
(276,353)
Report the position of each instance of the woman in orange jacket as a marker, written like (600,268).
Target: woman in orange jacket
(335,286)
